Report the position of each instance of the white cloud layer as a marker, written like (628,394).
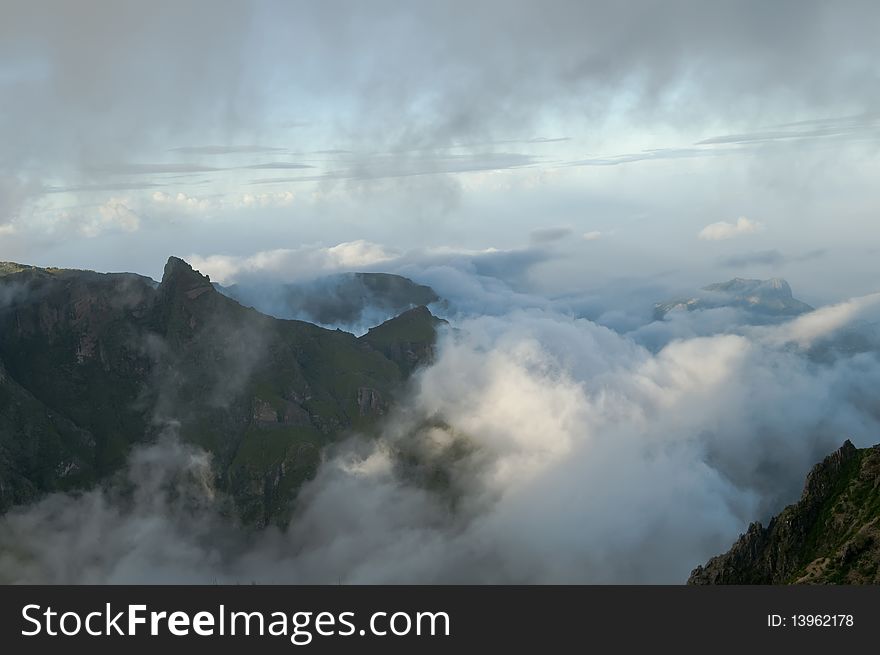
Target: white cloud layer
(723,230)
(293,264)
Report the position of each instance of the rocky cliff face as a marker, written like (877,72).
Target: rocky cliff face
(94,363)
(831,535)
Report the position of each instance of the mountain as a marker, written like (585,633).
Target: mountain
(347,299)
(91,364)
(764,298)
(406,340)
(830,536)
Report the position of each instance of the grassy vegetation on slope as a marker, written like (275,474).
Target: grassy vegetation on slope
(116,358)
(830,536)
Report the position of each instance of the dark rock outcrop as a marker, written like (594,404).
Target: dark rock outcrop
(408,339)
(831,535)
(345,299)
(95,363)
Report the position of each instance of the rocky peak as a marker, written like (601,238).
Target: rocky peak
(8,268)
(420,313)
(822,478)
(414,325)
(781,285)
(180,278)
(768,298)
(831,535)
(739,287)
(407,339)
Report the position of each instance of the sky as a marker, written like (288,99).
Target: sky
(551,170)
(678,140)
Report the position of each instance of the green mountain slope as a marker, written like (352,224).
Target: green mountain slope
(94,363)
(39,450)
(408,339)
(830,536)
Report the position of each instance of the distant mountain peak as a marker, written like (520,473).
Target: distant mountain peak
(7,268)
(180,276)
(770,298)
(348,300)
(775,287)
(407,339)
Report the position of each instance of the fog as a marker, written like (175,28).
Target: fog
(568,452)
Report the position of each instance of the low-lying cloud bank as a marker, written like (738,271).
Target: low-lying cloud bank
(723,230)
(539,448)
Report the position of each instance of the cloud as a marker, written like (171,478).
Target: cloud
(372,167)
(656,154)
(224,150)
(723,230)
(227,89)
(771,258)
(825,321)
(761,258)
(656,444)
(446,267)
(293,264)
(549,234)
(15,190)
(155,169)
(279,165)
(206,204)
(112,215)
(863,126)
(364,91)
(593,235)
(109,186)
(273,199)
(568,453)
(182,201)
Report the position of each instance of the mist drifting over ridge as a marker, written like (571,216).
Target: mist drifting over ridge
(567,451)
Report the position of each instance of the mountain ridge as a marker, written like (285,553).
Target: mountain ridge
(831,535)
(342,299)
(117,360)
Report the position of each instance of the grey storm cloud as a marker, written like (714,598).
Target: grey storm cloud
(647,155)
(866,126)
(109,186)
(224,150)
(279,165)
(394,90)
(154,169)
(772,258)
(549,234)
(385,167)
(83,79)
(14,190)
